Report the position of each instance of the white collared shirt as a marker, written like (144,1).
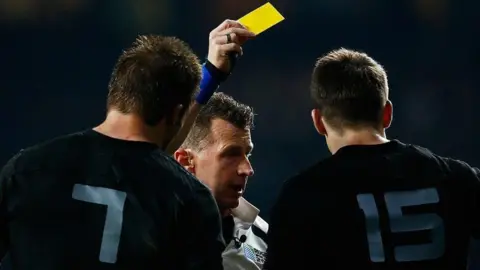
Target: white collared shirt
(249,255)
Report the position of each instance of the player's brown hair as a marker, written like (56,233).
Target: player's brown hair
(153,76)
(349,88)
(220,106)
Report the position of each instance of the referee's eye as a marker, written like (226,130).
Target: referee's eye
(233,151)
(236,151)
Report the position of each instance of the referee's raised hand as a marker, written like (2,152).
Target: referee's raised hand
(227,38)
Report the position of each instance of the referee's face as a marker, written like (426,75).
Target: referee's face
(224,163)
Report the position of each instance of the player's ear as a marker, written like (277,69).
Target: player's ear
(387,114)
(317,122)
(184,157)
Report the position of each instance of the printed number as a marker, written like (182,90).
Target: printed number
(115,201)
(400,222)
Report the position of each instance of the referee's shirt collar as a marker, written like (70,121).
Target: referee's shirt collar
(245,212)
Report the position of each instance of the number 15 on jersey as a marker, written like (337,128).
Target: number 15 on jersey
(404,223)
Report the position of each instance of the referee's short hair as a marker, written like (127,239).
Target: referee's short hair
(220,106)
(153,76)
(349,88)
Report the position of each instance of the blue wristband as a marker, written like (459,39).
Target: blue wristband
(208,85)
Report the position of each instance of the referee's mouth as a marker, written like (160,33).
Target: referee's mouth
(237,189)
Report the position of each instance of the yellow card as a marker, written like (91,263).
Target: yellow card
(261,18)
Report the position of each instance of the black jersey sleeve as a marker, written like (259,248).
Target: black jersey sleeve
(278,235)
(6,177)
(476,203)
(203,240)
(284,240)
(470,180)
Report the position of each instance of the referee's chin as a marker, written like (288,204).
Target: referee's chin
(230,203)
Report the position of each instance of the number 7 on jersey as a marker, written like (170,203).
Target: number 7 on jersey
(115,201)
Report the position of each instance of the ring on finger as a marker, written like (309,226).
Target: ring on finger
(229,38)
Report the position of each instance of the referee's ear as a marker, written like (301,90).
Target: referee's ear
(318,122)
(184,157)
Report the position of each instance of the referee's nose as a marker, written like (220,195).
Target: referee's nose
(245,168)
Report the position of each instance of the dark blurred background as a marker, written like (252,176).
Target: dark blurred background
(57,55)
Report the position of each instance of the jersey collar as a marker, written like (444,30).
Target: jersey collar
(245,212)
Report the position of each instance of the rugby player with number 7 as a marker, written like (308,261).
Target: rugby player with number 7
(111,197)
(375,203)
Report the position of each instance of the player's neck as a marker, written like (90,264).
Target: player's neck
(130,127)
(336,141)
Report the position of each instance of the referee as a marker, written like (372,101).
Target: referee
(217,152)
